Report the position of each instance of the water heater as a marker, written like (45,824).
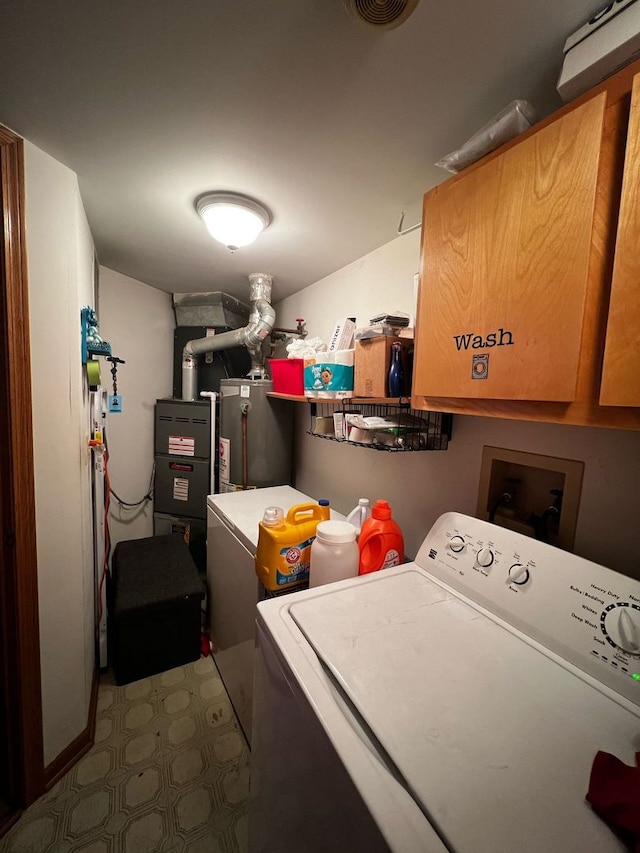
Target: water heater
(255,446)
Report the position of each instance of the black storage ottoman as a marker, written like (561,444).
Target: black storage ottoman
(155,613)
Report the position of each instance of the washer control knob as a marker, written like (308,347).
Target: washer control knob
(457,544)
(485,557)
(519,574)
(621,623)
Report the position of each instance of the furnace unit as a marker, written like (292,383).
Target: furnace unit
(182,452)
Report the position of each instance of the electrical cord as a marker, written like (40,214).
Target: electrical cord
(108,492)
(149,493)
(147,497)
(107,540)
(143,500)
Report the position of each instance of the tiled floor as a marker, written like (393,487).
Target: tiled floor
(168,773)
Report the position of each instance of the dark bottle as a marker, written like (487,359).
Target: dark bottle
(396,373)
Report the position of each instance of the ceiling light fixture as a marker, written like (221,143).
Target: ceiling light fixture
(232,219)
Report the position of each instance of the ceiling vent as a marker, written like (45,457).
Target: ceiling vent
(382,14)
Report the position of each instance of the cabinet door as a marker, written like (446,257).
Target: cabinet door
(504,268)
(621,369)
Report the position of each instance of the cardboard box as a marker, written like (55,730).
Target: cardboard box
(372,362)
(342,335)
(608,42)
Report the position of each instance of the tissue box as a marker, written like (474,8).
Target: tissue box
(287,375)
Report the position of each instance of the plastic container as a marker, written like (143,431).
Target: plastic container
(515,118)
(381,542)
(360,513)
(283,554)
(334,553)
(326,508)
(287,375)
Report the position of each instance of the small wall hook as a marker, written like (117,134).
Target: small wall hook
(406,230)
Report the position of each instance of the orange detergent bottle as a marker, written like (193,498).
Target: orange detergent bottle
(283,554)
(381,542)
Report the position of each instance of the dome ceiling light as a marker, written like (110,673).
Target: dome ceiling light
(232,219)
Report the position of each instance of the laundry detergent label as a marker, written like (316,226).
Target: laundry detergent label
(293,563)
(392,558)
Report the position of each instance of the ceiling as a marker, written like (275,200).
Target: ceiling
(331,123)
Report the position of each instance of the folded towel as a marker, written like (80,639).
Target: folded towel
(614,793)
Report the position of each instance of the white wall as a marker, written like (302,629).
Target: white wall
(421,485)
(138,322)
(381,281)
(60,272)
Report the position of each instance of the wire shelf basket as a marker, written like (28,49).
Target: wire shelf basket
(381,426)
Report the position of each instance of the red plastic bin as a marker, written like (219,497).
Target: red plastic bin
(287,375)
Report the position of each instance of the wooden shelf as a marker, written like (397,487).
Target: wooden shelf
(376,401)
(294,397)
(404,402)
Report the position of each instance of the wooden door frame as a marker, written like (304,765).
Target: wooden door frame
(19,640)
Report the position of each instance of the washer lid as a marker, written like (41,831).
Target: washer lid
(493,739)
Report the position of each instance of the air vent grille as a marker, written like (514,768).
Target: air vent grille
(382,14)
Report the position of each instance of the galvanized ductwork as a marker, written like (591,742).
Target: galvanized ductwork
(261,321)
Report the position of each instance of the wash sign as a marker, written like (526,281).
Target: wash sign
(471,340)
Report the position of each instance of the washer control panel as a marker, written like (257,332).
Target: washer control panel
(584,612)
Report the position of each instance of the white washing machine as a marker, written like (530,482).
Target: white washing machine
(451,704)
(232,585)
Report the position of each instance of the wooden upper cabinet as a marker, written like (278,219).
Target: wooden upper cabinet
(505,266)
(621,368)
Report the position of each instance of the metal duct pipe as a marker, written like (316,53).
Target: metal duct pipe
(261,321)
(259,289)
